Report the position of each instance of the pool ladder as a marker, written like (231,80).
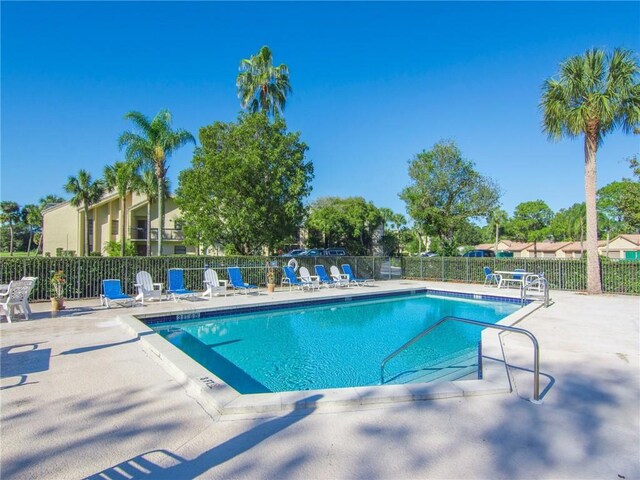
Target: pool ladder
(536,348)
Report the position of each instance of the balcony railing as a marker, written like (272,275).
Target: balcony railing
(167,234)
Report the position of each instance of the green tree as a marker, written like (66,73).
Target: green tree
(445,192)
(349,222)
(85,192)
(593,95)
(612,204)
(10,215)
(263,87)
(246,185)
(629,203)
(152,145)
(122,177)
(530,221)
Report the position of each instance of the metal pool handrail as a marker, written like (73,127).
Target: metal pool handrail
(536,348)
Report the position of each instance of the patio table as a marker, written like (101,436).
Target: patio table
(507,276)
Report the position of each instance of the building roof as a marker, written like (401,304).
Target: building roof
(485,246)
(516,246)
(548,246)
(631,237)
(576,247)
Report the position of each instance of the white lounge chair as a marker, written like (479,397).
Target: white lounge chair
(213,284)
(17,296)
(312,280)
(341,279)
(147,290)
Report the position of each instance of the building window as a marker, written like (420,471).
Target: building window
(115,224)
(178,225)
(179,250)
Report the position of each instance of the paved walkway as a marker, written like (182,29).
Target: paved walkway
(81,398)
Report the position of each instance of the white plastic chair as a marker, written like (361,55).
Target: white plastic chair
(313,281)
(147,290)
(17,296)
(213,284)
(341,279)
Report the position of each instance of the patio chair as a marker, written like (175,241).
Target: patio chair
(147,290)
(17,296)
(536,283)
(341,279)
(490,277)
(213,285)
(4,291)
(324,277)
(237,283)
(346,268)
(112,293)
(175,285)
(293,281)
(312,280)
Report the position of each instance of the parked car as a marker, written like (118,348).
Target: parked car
(480,253)
(336,252)
(294,253)
(428,254)
(313,252)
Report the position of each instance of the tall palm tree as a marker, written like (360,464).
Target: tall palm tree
(123,178)
(85,193)
(32,217)
(153,145)
(497,219)
(10,214)
(262,86)
(593,95)
(149,188)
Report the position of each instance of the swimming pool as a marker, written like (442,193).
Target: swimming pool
(336,344)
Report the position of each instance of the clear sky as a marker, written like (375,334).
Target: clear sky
(374,84)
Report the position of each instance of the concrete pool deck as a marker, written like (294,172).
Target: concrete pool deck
(81,397)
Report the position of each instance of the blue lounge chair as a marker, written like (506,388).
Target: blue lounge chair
(293,281)
(346,268)
(112,293)
(237,283)
(175,282)
(324,277)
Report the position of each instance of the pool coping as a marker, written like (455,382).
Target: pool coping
(218,398)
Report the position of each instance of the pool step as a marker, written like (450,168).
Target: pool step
(455,367)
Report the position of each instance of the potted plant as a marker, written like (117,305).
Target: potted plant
(58,281)
(271,279)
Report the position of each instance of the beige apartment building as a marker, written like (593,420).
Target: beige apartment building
(63,226)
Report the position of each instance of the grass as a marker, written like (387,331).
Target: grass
(18,254)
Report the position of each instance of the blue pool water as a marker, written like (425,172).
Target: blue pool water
(333,345)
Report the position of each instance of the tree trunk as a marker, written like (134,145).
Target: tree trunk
(11,239)
(148,227)
(160,213)
(86,230)
(497,237)
(123,217)
(30,240)
(594,285)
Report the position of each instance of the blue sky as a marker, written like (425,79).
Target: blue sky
(374,84)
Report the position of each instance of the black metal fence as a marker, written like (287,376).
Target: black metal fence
(85,274)
(562,274)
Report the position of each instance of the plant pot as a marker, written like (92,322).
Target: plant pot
(57,303)
(271,287)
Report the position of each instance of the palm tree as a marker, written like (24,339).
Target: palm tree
(153,146)
(497,219)
(593,95)
(10,214)
(149,188)
(261,86)
(85,192)
(123,178)
(32,216)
